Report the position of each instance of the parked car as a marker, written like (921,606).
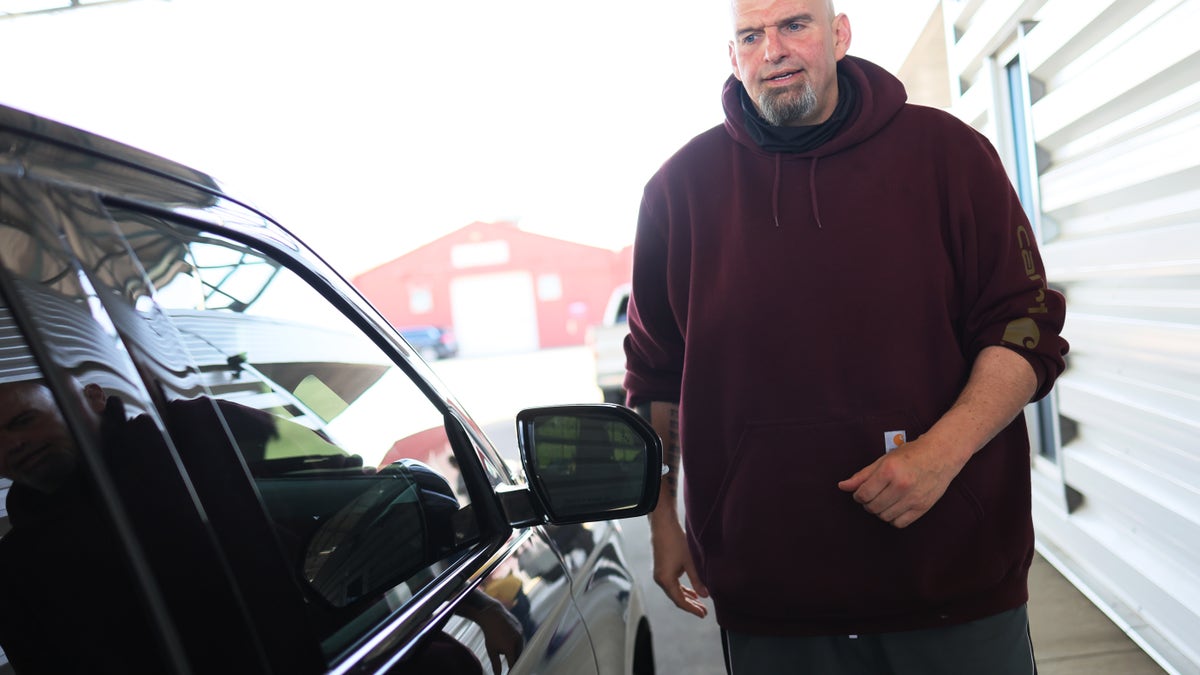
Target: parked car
(224,460)
(607,341)
(431,342)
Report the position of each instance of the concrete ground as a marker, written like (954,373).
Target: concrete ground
(1072,637)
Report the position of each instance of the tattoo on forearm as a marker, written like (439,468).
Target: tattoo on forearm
(672,451)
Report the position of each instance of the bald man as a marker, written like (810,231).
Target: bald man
(856,474)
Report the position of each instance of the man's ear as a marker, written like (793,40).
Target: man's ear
(841,36)
(733,61)
(94,396)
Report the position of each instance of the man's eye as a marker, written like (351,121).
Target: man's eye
(749,39)
(21,421)
(794,26)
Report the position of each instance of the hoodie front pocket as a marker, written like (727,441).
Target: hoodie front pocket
(783,538)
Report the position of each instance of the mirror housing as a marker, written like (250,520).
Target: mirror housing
(587,462)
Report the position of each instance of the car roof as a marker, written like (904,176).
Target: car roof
(41,128)
(54,153)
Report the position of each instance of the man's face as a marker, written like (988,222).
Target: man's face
(36,448)
(785,53)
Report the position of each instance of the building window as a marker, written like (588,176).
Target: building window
(549,287)
(420,299)
(1018,109)
(1022,91)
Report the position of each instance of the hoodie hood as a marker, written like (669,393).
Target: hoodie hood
(880,96)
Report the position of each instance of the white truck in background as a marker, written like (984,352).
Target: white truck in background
(607,341)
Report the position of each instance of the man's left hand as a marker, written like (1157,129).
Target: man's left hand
(904,484)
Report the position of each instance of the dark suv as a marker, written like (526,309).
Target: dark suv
(431,342)
(218,458)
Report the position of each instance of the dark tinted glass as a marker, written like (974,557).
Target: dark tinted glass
(67,593)
(588,464)
(348,456)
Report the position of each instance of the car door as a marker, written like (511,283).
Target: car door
(331,378)
(350,498)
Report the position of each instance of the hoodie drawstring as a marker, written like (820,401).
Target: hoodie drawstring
(812,189)
(775,191)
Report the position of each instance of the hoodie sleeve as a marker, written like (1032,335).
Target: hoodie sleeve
(1007,300)
(654,346)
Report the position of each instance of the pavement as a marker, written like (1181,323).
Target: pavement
(1071,636)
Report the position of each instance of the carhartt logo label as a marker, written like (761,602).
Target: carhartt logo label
(894,439)
(1031,271)
(1022,333)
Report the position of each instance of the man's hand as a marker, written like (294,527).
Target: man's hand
(904,484)
(502,634)
(672,560)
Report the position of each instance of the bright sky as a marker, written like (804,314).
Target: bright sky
(370,127)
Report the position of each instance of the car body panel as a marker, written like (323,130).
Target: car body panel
(607,341)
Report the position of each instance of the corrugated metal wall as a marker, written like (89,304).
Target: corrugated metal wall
(1114,125)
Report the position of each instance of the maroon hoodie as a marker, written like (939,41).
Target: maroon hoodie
(806,308)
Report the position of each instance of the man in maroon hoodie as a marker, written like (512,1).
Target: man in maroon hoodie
(838,314)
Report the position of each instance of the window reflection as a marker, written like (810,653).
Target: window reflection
(278,411)
(588,464)
(66,589)
(348,456)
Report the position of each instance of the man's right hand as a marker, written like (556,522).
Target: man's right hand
(672,560)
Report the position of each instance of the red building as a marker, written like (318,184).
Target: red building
(500,289)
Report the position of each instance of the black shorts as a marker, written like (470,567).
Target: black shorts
(996,645)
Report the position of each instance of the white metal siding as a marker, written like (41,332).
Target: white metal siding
(1117,128)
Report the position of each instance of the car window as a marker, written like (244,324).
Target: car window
(349,457)
(56,536)
(273,463)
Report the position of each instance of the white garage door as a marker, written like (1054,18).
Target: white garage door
(494,313)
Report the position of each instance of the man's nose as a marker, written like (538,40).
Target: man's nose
(773,46)
(9,443)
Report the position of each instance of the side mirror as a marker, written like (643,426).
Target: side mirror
(589,462)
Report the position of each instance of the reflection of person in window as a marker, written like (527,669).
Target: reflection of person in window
(440,654)
(36,449)
(503,632)
(69,604)
(507,587)
(70,601)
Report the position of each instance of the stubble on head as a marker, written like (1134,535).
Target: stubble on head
(733,8)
